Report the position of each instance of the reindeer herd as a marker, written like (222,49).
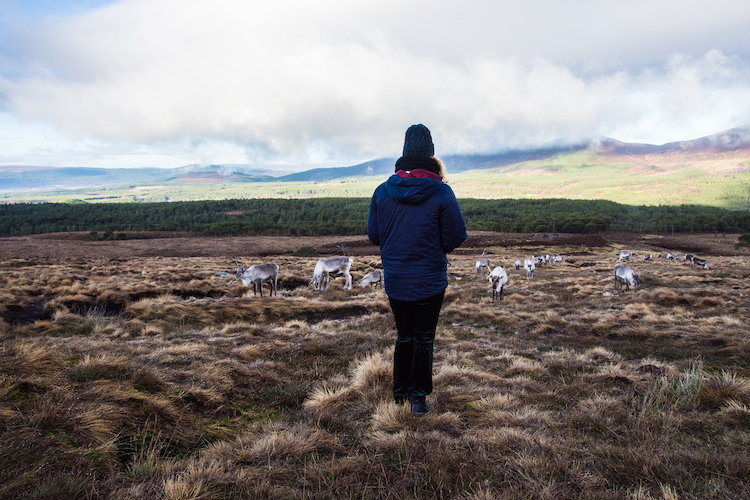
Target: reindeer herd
(260,274)
(498,277)
(624,275)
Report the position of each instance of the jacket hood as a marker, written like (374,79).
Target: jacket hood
(412,190)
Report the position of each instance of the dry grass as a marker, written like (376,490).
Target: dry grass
(159,377)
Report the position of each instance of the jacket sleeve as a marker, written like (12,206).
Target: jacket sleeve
(372,223)
(452,226)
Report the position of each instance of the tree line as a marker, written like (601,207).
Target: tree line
(348,216)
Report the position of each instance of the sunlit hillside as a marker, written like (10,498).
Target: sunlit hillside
(714,179)
(654,180)
(713,171)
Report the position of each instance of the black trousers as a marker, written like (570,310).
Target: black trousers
(412,357)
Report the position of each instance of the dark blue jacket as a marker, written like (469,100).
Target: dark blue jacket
(415,222)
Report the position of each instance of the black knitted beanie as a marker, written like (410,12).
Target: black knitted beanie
(418,141)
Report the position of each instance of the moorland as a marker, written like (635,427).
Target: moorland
(141,368)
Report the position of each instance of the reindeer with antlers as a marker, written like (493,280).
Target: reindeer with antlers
(325,266)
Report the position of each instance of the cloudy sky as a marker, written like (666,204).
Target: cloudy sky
(132,83)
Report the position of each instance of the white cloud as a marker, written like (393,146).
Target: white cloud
(204,81)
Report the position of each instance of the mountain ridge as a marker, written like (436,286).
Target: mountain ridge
(730,150)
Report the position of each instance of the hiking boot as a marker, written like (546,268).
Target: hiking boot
(419,406)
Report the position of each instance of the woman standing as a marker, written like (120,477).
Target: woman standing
(415,219)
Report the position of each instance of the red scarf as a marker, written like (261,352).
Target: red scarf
(418,172)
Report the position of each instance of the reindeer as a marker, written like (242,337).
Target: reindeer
(695,261)
(623,274)
(625,255)
(498,278)
(529,265)
(372,278)
(539,259)
(257,275)
(331,265)
(483,263)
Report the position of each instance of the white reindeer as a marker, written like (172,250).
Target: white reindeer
(372,278)
(623,274)
(498,278)
(695,261)
(529,265)
(648,257)
(518,264)
(325,266)
(483,264)
(257,275)
(625,255)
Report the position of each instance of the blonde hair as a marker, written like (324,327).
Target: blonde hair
(443,173)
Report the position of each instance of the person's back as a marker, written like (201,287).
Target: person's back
(417,221)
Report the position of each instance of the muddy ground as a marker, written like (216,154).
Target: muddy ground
(61,247)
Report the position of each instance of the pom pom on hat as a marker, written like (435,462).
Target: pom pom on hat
(418,141)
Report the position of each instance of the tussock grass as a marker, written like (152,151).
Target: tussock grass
(171,382)
(719,389)
(27,358)
(735,413)
(104,367)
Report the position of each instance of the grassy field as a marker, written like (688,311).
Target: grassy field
(713,180)
(145,372)
(587,176)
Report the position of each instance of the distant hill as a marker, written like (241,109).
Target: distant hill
(712,170)
(373,167)
(40,178)
(734,139)
(456,163)
(36,178)
(23,178)
(730,140)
